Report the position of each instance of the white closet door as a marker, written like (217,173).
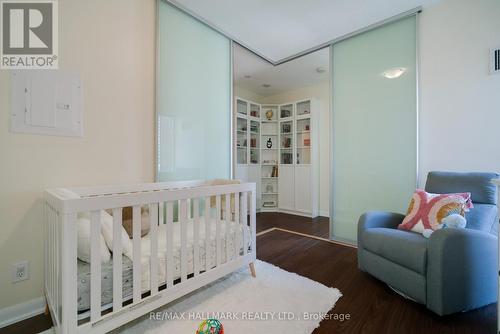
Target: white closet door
(254,176)
(193,98)
(303,189)
(374,124)
(286,188)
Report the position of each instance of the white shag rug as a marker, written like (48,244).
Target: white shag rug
(276,300)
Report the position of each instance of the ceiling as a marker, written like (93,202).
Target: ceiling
(277,29)
(291,75)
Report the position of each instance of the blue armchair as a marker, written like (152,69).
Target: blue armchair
(455,269)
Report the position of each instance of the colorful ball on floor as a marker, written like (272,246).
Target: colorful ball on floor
(210,326)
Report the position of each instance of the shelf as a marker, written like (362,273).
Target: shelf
(265,148)
(287,148)
(269,177)
(303,147)
(241,131)
(269,164)
(269,193)
(305,131)
(241,147)
(252,132)
(269,134)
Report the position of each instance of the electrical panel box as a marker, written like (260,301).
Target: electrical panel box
(46,102)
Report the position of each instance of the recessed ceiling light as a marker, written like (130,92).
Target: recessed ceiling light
(321,69)
(266,85)
(394,73)
(248,76)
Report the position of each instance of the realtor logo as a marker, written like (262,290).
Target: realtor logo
(29,34)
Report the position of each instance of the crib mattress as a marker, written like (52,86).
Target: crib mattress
(235,238)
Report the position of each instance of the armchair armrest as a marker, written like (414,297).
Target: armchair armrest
(374,219)
(461,270)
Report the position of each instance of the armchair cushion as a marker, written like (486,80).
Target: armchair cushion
(407,249)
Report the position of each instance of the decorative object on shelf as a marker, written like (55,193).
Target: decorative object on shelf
(269,143)
(269,114)
(269,188)
(298,160)
(253,113)
(286,128)
(307,142)
(253,142)
(254,128)
(286,113)
(287,158)
(287,142)
(274,173)
(307,127)
(269,204)
(268,162)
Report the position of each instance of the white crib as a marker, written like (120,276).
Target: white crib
(191,198)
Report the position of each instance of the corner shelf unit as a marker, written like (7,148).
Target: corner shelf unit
(276,146)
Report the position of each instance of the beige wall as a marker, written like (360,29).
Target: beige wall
(111,44)
(459,99)
(321,93)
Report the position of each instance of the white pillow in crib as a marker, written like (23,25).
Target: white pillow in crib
(83,249)
(107,232)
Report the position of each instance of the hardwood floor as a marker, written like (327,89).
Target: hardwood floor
(318,226)
(370,304)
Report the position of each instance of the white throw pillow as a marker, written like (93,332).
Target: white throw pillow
(107,232)
(83,249)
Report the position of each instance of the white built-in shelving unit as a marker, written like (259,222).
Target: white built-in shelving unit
(277,148)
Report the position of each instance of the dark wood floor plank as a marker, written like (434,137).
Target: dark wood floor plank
(318,226)
(373,307)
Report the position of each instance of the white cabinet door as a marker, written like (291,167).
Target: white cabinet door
(254,176)
(286,188)
(241,173)
(303,188)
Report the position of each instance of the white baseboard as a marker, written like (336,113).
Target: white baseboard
(15,313)
(323,213)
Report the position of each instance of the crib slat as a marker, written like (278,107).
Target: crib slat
(69,290)
(237,235)
(228,225)
(244,220)
(160,216)
(153,231)
(170,240)
(208,234)
(196,236)
(183,221)
(253,203)
(217,229)
(117,259)
(136,234)
(95,266)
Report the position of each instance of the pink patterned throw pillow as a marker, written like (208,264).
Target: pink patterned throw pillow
(426,210)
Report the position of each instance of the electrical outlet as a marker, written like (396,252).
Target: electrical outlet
(20,271)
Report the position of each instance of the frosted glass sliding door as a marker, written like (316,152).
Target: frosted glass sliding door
(374,124)
(193,98)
